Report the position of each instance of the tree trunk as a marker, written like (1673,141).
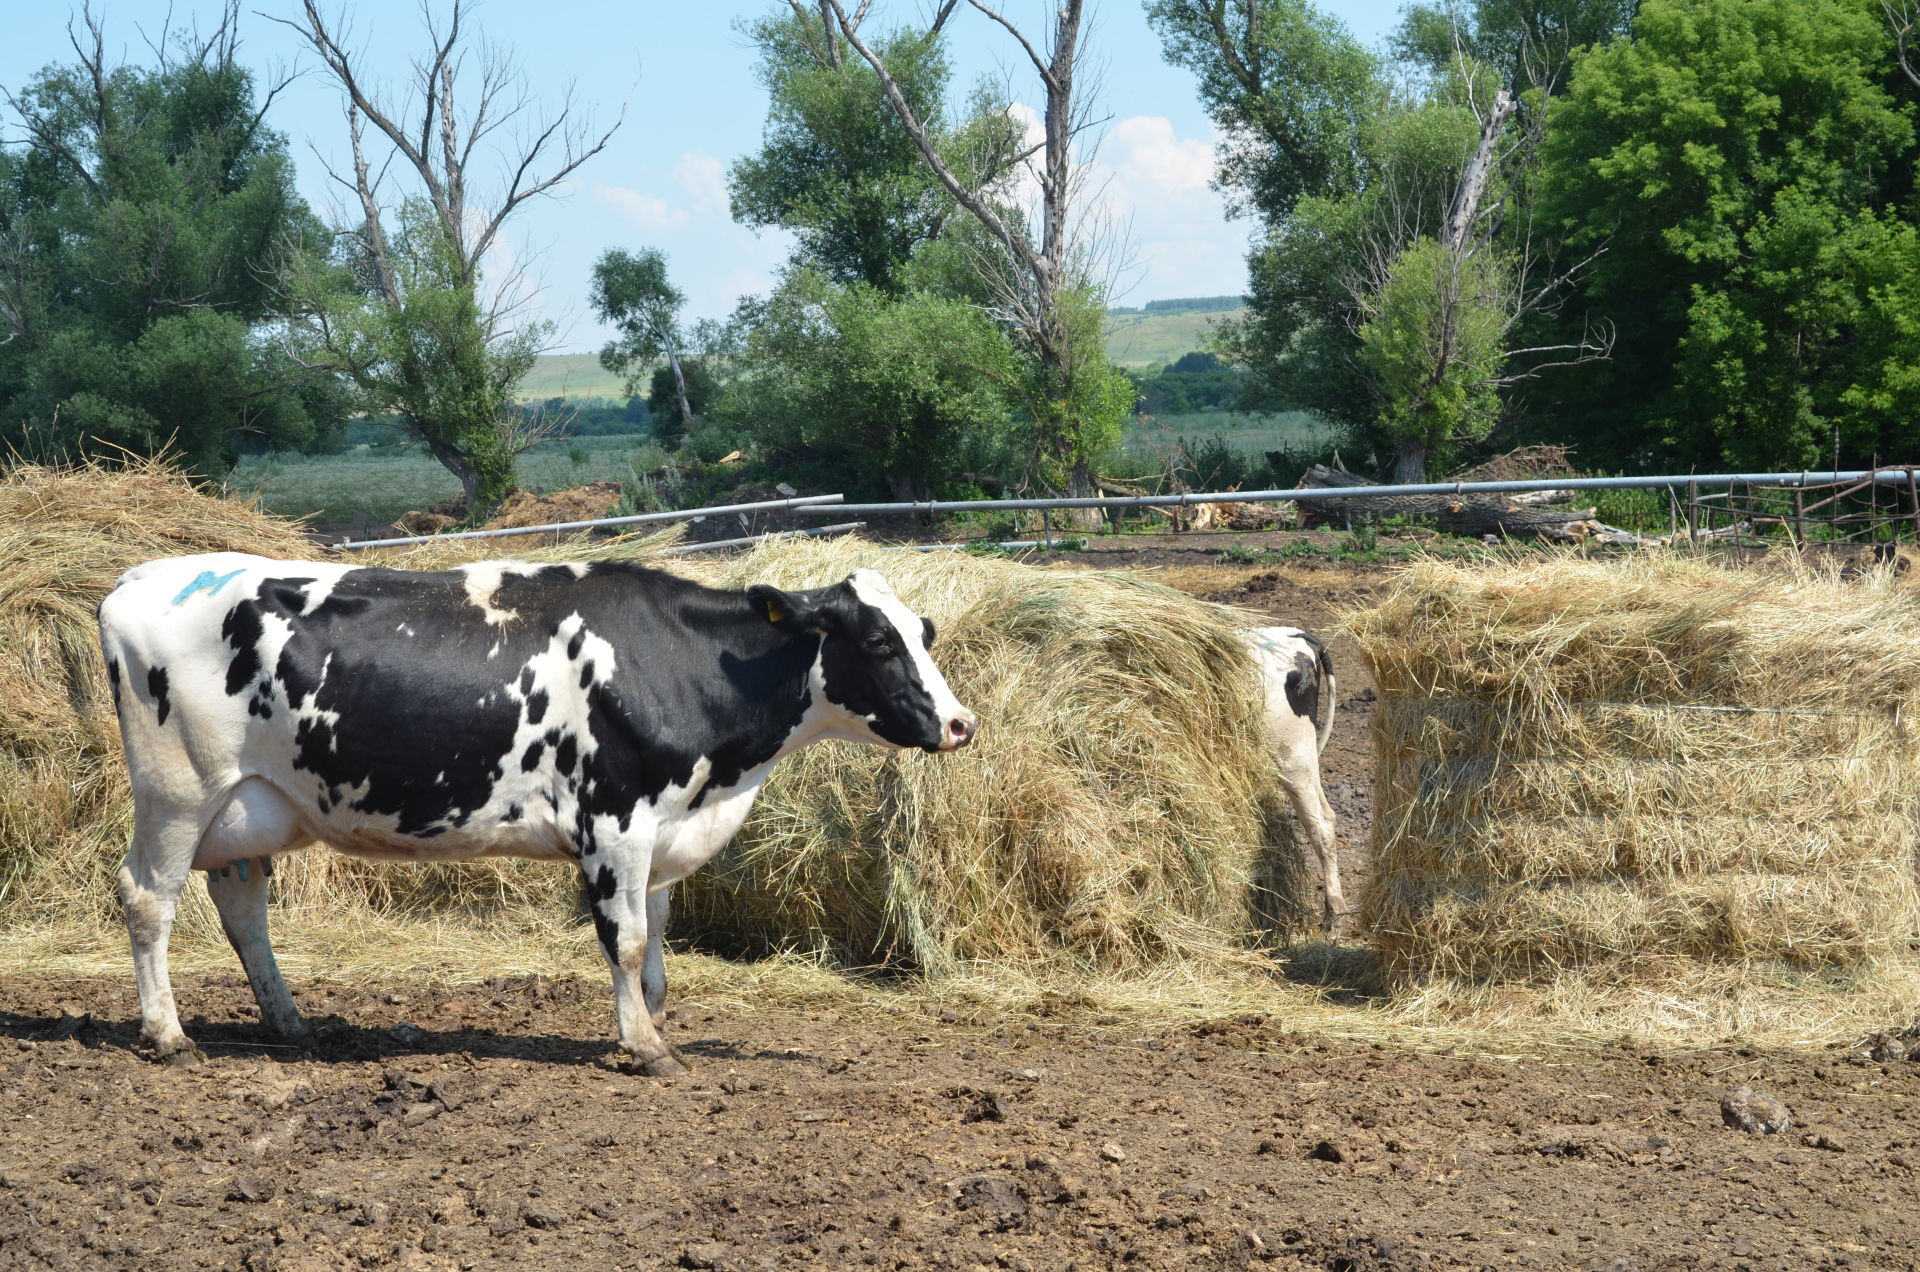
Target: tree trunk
(680,391)
(1410,461)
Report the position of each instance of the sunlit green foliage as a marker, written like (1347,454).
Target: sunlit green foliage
(143,216)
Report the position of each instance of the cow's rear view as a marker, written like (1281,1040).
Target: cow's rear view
(614,716)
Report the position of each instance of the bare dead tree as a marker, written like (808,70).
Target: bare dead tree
(1037,276)
(1482,273)
(441,137)
(1903,16)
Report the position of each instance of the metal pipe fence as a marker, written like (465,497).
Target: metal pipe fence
(641,518)
(1865,477)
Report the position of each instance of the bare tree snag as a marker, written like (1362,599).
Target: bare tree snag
(1030,293)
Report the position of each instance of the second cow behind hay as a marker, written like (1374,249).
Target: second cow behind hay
(1296,677)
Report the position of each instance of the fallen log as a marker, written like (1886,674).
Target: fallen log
(1472,514)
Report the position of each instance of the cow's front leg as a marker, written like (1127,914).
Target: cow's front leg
(239,892)
(616,878)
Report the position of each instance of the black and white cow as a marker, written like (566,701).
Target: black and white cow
(608,714)
(1296,674)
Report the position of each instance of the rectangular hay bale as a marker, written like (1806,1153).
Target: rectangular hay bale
(1614,765)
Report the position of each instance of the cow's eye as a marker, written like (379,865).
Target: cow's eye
(876,643)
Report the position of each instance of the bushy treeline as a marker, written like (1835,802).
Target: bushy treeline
(1689,240)
(1669,233)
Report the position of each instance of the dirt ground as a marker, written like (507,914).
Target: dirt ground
(478,1126)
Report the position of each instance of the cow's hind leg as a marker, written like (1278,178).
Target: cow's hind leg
(616,878)
(239,892)
(653,976)
(149,887)
(1300,775)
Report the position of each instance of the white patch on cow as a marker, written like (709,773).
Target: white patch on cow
(872,587)
(482,582)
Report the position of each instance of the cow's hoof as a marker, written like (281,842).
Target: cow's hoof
(181,1055)
(667,1066)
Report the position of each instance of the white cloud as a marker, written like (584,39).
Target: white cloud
(1150,154)
(647,211)
(704,178)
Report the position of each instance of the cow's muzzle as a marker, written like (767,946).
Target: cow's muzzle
(960,730)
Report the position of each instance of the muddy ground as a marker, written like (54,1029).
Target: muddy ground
(477,1126)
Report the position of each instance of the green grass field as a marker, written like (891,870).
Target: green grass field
(1138,340)
(1133,340)
(570,375)
(382,484)
(1150,436)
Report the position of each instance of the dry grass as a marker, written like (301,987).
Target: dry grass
(1108,818)
(1638,770)
(1087,861)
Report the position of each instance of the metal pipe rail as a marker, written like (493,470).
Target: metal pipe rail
(688,514)
(1883,476)
(680,549)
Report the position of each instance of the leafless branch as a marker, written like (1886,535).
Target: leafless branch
(1903,16)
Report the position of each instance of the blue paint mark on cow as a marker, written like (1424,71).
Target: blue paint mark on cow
(209,582)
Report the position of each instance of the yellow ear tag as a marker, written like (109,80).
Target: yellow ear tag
(774,612)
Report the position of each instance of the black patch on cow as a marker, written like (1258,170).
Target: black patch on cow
(113,680)
(869,675)
(600,887)
(157,690)
(242,629)
(586,673)
(608,929)
(514,813)
(696,674)
(1303,688)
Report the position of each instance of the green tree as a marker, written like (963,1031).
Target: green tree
(909,388)
(1743,163)
(402,308)
(1396,266)
(142,214)
(835,166)
(1041,276)
(1529,43)
(631,291)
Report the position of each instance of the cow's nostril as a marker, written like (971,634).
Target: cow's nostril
(960,729)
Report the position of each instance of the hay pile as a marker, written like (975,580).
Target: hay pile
(65,536)
(1634,768)
(1109,817)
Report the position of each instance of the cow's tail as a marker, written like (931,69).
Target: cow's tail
(1327,697)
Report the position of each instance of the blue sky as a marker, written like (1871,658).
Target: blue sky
(692,107)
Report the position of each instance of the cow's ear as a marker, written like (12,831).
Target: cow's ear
(789,611)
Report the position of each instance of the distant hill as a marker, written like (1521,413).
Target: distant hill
(570,375)
(1188,304)
(1159,331)
(1138,338)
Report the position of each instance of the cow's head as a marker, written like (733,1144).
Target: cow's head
(874,666)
